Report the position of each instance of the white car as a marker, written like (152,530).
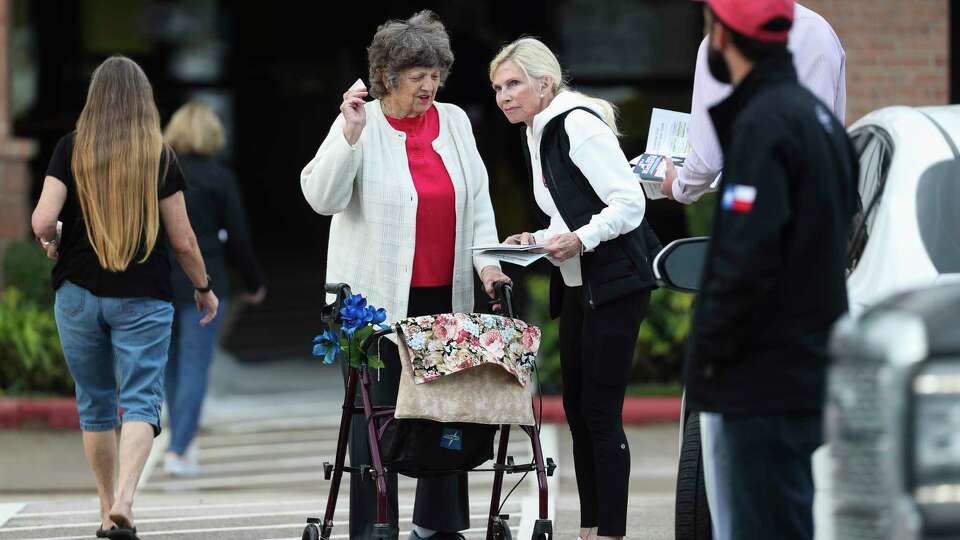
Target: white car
(906,237)
(912,225)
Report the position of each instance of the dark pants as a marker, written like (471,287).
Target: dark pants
(763,470)
(596,352)
(441,503)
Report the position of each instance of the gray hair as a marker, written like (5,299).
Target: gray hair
(420,41)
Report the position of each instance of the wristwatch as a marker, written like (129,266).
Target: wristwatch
(208,288)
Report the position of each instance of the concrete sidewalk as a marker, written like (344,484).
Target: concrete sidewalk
(49,492)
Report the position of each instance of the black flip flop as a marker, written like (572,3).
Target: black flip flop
(118,533)
(122,529)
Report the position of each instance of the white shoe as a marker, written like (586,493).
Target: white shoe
(175,465)
(192,455)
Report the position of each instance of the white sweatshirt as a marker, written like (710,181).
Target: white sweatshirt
(596,152)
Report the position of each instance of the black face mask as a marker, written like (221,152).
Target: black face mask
(718,66)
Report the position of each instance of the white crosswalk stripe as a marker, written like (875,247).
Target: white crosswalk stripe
(261,477)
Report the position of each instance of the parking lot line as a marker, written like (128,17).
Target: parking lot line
(298,525)
(8,510)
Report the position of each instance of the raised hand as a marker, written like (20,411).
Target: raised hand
(353,113)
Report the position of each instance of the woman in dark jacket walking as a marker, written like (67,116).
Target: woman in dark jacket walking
(215,209)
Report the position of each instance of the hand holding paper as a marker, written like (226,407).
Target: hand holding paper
(523,238)
(519,254)
(666,141)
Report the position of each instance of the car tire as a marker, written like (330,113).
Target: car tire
(692,521)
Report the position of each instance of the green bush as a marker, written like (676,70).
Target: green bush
(31,360)
(700,215)
(548,369)
(27,268)
(658,356)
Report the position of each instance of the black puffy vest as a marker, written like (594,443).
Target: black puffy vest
(614,268)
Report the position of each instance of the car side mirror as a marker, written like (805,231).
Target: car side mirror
(679,266)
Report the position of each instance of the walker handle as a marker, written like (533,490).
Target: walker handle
(504,297)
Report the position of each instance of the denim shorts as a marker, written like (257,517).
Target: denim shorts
(116,349)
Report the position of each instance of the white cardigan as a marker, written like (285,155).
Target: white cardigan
(369,191)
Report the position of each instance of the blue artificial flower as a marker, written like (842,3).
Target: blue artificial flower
(377,315)
(356,314)
(326,345)
(355,301)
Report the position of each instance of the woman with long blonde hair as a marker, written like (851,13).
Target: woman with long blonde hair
(117,190)
(598,239)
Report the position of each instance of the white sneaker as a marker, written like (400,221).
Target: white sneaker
(175,465)
(192,455)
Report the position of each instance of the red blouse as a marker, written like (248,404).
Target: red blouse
(436,207)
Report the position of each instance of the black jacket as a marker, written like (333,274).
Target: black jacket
(213,203)
(614,268)
(774,282)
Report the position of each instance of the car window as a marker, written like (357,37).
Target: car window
(938,214)
(875,150)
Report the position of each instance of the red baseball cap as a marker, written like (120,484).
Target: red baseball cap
(749,16)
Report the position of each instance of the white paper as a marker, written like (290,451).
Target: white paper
(667,137)
(520,255)
(652,190)
(519,258)
(668,134)
(507,247)
(358,85)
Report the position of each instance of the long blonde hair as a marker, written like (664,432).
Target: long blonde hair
(194,129)
(116,163)
(538,61)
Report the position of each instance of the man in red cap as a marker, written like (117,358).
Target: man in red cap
(774,280)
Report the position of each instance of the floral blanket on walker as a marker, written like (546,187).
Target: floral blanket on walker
(451,342)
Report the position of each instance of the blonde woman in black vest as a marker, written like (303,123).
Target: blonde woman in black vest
(595,234)
(119,193)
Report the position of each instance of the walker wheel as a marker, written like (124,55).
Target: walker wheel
(501,530)
(542,530)
(311,532)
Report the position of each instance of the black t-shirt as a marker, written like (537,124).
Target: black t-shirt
(78,262)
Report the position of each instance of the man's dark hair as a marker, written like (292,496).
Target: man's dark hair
(755,50)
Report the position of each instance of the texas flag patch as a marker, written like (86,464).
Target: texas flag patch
(739,198)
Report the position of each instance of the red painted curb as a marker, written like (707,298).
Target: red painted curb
(61,413)
(56,413)
(636,410)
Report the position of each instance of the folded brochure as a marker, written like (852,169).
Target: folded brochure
(520,255)
(667,137)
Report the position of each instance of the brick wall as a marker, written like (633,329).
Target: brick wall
(897,51)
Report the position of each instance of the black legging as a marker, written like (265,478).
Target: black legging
(596,352)
(441,502)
